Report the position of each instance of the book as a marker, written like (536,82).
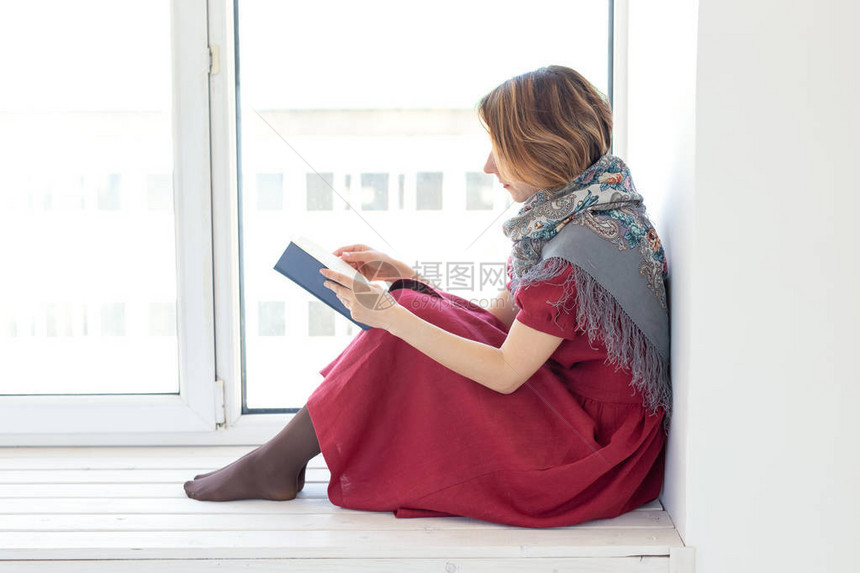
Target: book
(301,263)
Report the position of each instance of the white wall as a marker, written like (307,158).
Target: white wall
(763,465)
(774,467)
(660,109)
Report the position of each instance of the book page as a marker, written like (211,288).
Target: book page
(325,257)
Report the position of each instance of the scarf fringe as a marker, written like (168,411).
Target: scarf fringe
(599,315)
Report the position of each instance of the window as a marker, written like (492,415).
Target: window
(148,200)
(479,191)
(99,248)
(428,191)
(159,195)
(272,319)
(374,191)
(320,319)
(162,319)
(320,195)
(108,193)
(113,319)
(382,141)
(84,154)
(270,191)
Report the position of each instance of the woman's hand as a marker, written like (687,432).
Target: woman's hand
(367,303)
(372,264)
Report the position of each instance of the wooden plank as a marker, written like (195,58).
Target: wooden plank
(433,543)
(462,565)
(122,476)
(123,463)
(273,522)
(72,490)
(303,504)
(109,506)
(114,463)
(145,477)
(228,452)
(152,491)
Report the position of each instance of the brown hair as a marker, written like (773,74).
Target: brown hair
(546,126)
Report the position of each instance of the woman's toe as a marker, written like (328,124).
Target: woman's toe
(190,490)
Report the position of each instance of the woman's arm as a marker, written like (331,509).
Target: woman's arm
(504,308)
(502,369)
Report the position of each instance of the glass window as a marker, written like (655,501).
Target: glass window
(108,193)
(479,191)
(86,205)
(159,194)
(58,320)
(374,191)
(162,319)
(320,195)
(272,318)
(428,191)
(113,319)
(389,110)
(320,319)
(347,186)
(270,191)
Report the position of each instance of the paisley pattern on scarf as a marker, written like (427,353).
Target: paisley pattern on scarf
(620,227)
(604,199)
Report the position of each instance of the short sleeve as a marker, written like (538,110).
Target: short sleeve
(537,310)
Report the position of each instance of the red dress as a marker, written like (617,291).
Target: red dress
(401,432)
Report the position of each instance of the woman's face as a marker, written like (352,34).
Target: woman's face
(519,191)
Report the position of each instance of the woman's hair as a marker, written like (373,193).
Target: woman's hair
(547,126)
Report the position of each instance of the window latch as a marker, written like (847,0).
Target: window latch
(214,59)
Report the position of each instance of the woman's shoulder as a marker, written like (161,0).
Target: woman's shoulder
(550,305)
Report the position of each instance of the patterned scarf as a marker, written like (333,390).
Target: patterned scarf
(617,287)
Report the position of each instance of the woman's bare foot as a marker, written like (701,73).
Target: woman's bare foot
(275,470)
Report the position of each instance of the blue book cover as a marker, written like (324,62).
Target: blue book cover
(301,263)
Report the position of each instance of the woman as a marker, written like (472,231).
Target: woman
(548,409)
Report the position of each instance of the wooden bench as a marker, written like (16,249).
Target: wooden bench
(123,510)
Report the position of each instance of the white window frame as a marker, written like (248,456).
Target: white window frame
(105,419)
(208,409)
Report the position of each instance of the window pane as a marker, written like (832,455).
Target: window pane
(320,191)
(320,319)
(272,321)
(428,191)
(385,111)
(270,191)
(88,296)
(479,191)
(374,191)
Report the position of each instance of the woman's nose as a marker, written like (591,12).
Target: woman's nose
(490,165)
